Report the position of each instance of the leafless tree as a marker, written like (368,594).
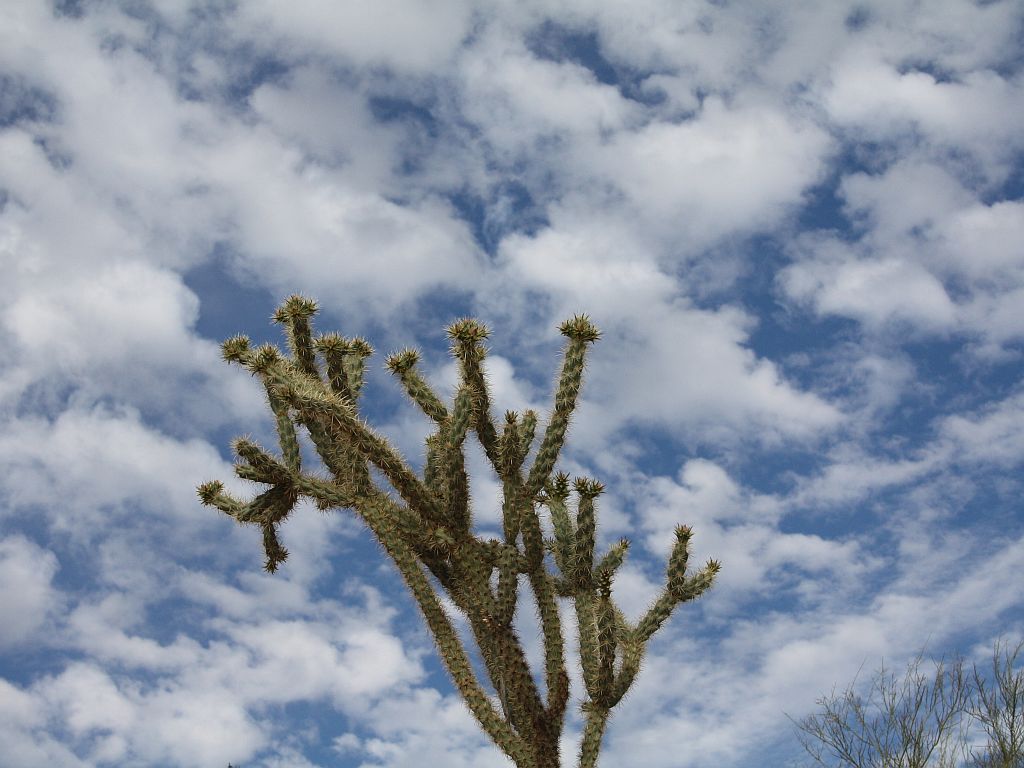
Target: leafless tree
(913,722)
(998,707)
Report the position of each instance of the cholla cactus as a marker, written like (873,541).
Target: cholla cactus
(429,527)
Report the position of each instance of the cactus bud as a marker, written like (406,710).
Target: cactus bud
(580,328)
(400,362)
(295,307)
(235,349)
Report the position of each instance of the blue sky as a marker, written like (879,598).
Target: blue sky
(799,226)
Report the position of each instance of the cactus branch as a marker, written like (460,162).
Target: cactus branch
(427,528)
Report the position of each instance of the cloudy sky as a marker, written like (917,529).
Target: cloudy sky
(799,226)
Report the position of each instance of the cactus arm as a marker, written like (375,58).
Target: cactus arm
(428,528)
(294,314)
(582,573)
(555,676)
(334,347)
(580,332)
(456,493)
(587,627)
(526,431)
(354,364)
(403,365)
(606,640)
(452,653)
(679,588)
(339,420)
(593,732)
(467,336)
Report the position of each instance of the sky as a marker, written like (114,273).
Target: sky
(799,226)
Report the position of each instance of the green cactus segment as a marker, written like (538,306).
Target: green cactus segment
(606,641)
(583,553)
(510,454)
(286,433)
(426,528)
(266,469)
(334,348)
(565,530)
(340,421)
(354,364)
(555,677)
(449,646)
(611,561)
(589,652)
(593,731)
(632,655)
(402,364)
(679,588)
(526,432)
(467,337)
(580,332)
(508,586)
(236,349)
(295,314)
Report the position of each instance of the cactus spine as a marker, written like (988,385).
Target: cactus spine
(429,528)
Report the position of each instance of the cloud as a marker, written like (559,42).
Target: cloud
(660,360)
(84,470)
(29,598)
(742,529)
(731,169)
(932,258)
(995,435)
(411,38)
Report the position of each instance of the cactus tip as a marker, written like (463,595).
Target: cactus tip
(209,491)
(234,349)
(295,307)
(580,327)
(265,356)
(360,346)
(330,342)
(588,488)
(468,330)
(400,362)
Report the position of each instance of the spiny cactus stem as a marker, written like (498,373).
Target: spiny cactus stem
(429,530)
(509,673)
(355,364)
(565,402)
(338,418)
(403,365)
(632,655)
(295,315)
(593,731)
(583,554)
(467,336)
(287,438)
(334,347)
(452,653)
(589,653)
(556,678)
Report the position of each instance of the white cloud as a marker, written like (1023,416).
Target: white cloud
(27,572)
(994,435)
(731,169)
(873,291)
(740,529)
(660,361)
(870,95)
(83,466)
(932,257)
(409,37)
(522,100)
